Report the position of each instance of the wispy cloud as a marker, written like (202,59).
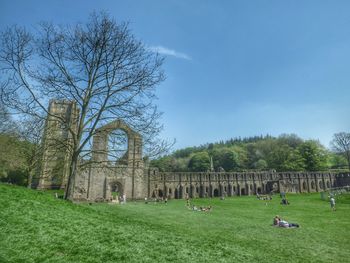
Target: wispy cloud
(169,52)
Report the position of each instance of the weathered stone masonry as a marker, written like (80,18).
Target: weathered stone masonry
(217,184)
(96,181)
(99,177)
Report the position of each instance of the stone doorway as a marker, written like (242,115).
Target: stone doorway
(116,189)
(216,193)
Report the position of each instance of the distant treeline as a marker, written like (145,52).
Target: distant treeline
(287,152)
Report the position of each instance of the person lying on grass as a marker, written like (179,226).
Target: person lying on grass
(201,208)
(277,221)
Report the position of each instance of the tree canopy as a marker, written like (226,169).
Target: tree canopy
(283,153)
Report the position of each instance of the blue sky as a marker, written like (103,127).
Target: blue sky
(234,68)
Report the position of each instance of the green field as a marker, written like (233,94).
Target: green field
(36,227)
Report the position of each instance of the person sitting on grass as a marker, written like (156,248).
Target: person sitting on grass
(207,209)
(284,201)
(194,208)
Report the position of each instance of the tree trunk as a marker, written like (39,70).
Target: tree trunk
(30,179)
(69,191)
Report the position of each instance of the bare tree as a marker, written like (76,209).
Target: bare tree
(31,130)
(341,144)
(7,125)
(99,65)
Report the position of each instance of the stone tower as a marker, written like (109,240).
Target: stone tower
(57,142)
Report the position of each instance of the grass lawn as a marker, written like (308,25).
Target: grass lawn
(36,227)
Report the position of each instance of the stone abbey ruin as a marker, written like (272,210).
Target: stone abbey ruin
(99,177)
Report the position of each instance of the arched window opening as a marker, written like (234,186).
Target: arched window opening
(320,184)
(116,189)
(176,193)
(304,185)
(312,185)
(216,192)
(117,149)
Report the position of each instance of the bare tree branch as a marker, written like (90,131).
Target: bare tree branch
(98,65)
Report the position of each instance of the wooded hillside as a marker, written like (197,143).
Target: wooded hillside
(286,152)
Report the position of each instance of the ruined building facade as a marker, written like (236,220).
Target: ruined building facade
(98,178)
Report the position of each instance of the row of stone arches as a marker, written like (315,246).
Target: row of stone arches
(179,191)
(315,185)
(205,190)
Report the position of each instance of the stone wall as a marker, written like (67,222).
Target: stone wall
(217,184)
(56,145)
(96,178)
(95,181)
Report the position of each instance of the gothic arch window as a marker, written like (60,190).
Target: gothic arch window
(117,147)
(312,185)
(216,192)
(304,185)
(320,184)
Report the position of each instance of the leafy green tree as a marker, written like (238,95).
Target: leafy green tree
(225,158)
(278,156)
(261,164)
(314,155)
(241,155)
(292,140)
(14,162)
(294,162)
(337,161)
(18,177)
(199,162)
(253,155)
(287,152)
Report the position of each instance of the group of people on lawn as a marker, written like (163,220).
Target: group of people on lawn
(157,200)
(195,208)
